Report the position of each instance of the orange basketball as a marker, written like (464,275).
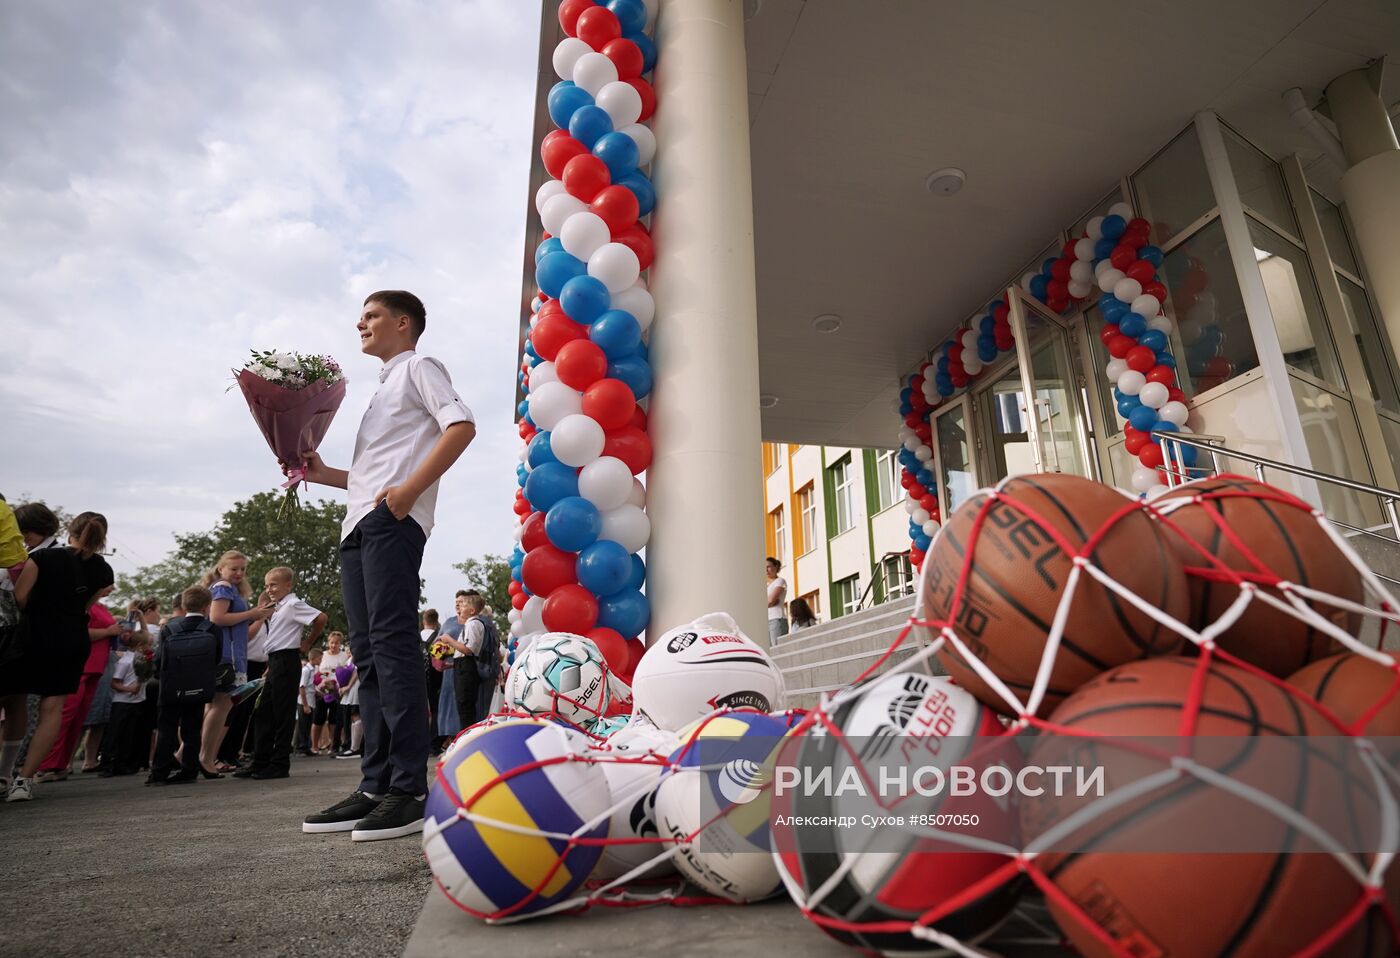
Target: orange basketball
(1019,571)
(1348,685)
(1200,902)
(1281,532)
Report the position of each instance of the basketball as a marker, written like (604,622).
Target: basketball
(1355,689)
(493,871)
(709,664)
(901,720)
(1019,571)
(632,785)
(1238,902)
(1279,531)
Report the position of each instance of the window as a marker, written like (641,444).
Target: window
(1174,188)
(777,534)
(804,534)
(840,478)
(1293,299)
(887,474)
(1373,343)
(955,458)
(772,459)
(1334,231)
(1209,311)
(845,597)
(1260,182)
(814,602)
(898,576)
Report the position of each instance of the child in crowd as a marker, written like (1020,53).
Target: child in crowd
(128,695)
(188,661)
(306,701)
(17,573)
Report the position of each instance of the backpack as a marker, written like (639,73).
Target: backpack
(190,660)
(488,660)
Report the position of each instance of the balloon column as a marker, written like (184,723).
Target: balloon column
(959,361)
(586,369)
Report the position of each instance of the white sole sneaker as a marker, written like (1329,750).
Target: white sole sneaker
(321,828)
(381,834)
(20,790)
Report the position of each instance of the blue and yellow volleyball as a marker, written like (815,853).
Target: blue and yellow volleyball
(516,838)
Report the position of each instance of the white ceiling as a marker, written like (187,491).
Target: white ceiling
(1045,105)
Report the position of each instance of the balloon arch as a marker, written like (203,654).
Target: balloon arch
(586,368)
(1114,257)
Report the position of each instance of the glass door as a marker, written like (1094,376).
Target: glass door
(957,476)
(1055,420)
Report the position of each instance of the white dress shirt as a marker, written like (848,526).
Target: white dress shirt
(473,634)
(414,405)
(284,627)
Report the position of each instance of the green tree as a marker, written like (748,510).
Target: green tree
(489,575)
(308,542)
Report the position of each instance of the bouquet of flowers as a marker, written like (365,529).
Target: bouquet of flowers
(143,663)
(293,398)
(329,689)
(343,674)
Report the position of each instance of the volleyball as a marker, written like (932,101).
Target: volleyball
(478,802)
(636,756)
(709,664)
(562,676)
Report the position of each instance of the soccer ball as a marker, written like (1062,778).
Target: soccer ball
(606,727)
(561,676)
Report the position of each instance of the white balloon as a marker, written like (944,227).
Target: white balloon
(911,505)
(517,628)
(606,482)
(921,516)
(566,56)
(972,364)
(577,440)
(931,528)
(615,265)
(532,616)
(1157,490)
(637,301)
(1115,368)
(1144,478)
(1081,269)
(1026,281)
(543,373)
(905,433)
(1084,251)
(1191,330)
(552,402)
(1122,209)
(513,615)
(1127,289)
(628,526)
(548,190)
(1153,395)
(1204,310)
(912,443)
(645,140)
(583,233)
(622,102)
(1162,324)
(1102,265)
(1146,305)
(638,497)
(1174,411)
(923,453)
(558,209)
(593,71)
(1131,382)
(1109,278)
(1079,288)
(969,340)
(1094,227)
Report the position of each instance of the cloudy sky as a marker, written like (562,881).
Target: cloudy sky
(183,182)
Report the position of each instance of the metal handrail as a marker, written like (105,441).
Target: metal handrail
(1178,472)
(877,573)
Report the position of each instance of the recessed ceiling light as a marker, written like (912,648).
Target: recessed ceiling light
(945,182)
(767,400)
(827,323)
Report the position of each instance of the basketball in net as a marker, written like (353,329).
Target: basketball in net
(1362,693)
(1265,535)
(1022,539)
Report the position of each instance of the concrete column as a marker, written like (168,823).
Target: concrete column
(705,494)
(1371,187)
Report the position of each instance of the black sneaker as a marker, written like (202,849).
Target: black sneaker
(342,816)
(395,817)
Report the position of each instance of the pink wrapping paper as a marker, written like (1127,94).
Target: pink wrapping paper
(292,421)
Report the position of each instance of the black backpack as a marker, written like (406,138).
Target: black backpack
(488,660)
(190,659)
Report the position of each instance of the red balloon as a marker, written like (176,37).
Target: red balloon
(1135,443)
(513,587)
(626,56)
(636,648)
(521,507)
(959,378)
(929,502)
(617,205)
(1005,342)
(1195,281)
(1108,331)
(1150,455)
(1122,257)
(955,352)
(1056,289)
(648,97)
(1141,358)
(1002,314)
(553,332)
(546,568)
(580,364)
(638,240)
(639,419)
(557,149)
(917,490)
(918,401)
(613,646)
(571,608)
(532,533)
(1221,367)
(585,176)
(1060,269)
(569,12)
(916,555)
(1142,271)
(518,600)
(1161,374)
(911,420)
(1067,251)
(1135,240)
(1155,288)
(1118,345)
(609,402)
(523,429)
(598,26)
(1175,395)
(1058,303)
(1138,225)
(631,445)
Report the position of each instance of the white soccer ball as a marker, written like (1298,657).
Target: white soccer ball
(709,664)
(632,786)
(562,676)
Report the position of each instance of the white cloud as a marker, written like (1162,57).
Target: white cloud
(184,182)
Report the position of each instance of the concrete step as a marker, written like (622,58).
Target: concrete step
(853,624)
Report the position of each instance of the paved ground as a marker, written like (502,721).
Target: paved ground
(109,867)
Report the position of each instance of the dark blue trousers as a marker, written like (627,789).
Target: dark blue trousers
(379,565)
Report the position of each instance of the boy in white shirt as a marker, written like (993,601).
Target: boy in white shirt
(305,690)
(416,427)
(292,629)
(128,693)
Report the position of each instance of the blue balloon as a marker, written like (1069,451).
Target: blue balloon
(1166,359)
(573,523)
(564,100)
(647,46)
(635,372)
(922,542)
(1188,454)
(617,333)
(552,245)
(643,351)
(604,568)
(906,394)
(942,364)
(556,269)
(584,298)
(1039,285)
(1153,254)
(588,124)
(1047,266)
(515,574)
(1114,226)
(987,352)
(539,451)
(1132,325)
(987,326)
(550,482)
(1115,309)
(1153,339)
(945,390)
(905,408)
(632,14)
(619,151)
(1142,417)
(925,477)
(523,409)
(1125,407)
(641,188)
(627,612)
(535,361)
(1165,425)
(1103,248)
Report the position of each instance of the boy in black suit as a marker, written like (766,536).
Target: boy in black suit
(185,665)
